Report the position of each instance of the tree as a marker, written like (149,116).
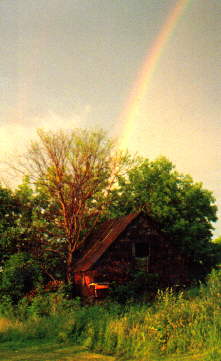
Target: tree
(9,213)
(27,223)
(184,210)
(36,227)
(76,170)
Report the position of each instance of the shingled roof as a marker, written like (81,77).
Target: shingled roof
(106,235)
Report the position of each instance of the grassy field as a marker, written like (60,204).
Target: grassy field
(49,352)
(184,326)
(57,352)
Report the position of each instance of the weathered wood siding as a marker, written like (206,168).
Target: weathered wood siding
(124,257)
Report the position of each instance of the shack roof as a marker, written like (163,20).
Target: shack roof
(105,236)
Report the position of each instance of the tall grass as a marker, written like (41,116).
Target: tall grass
(173,324)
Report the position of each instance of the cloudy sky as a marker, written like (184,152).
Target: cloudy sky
(71,63)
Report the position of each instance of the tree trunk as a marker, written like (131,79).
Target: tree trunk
(69,273)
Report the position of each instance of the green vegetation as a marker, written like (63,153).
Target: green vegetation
(21,275)
(72,182)
(173,327)
(50,352)
(76,170)
(183,209)
(75,180)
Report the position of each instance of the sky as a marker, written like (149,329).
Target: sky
(74,63)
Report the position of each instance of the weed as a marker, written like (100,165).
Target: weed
(176,323)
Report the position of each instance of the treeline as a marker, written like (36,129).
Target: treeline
(75,180)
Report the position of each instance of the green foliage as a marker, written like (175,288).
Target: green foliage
(80,179)
(39,231)
(217,248)
(173,325)
(184,210)
(19,276)
(74,171)
(48,304)
(217,240)
(28,225)
(9,213)
(142,286)
(6,307)
(213,355)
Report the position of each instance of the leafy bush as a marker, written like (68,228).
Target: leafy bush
(46,317)
(6,307)
(48,304)
(19,276)
(142,286)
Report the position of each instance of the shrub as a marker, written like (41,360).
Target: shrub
(6,307)
(48,304)
(141,286)
(20,275)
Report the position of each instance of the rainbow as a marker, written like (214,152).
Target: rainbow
(130,113)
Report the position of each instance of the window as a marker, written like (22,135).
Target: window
(141,250)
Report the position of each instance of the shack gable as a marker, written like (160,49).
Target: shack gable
(130,251)
(101,241)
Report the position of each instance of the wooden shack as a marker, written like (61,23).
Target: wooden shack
(124,245)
